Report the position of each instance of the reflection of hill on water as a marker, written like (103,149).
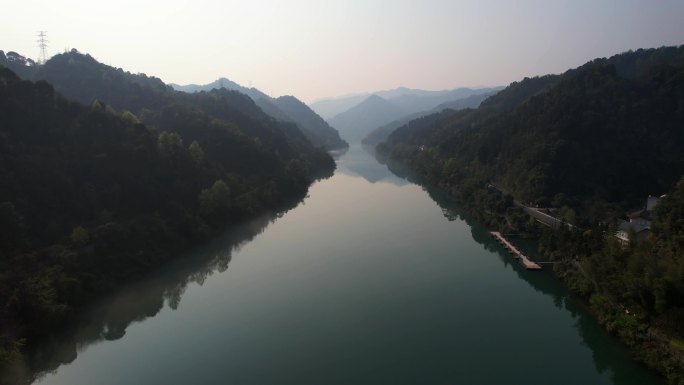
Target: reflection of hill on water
(109,319)
(359,161)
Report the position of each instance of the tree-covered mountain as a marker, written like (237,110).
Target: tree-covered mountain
(21,65)
(314,127)
(252,92)
(385,107)
(611,130)
(193,116)
(284,108)
(103,185)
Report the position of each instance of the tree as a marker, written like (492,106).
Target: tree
(80,236)
(169,144)
(196,152)
(567,214)
(215,201)
(129,117)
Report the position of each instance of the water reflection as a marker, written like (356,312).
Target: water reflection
(319,314)
(608,353)
(109,319)
(359,162)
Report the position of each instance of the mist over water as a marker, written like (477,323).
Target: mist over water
(370,280)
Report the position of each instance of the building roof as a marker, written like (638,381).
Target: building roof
(627,226)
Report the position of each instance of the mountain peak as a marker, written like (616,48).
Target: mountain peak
(374,98)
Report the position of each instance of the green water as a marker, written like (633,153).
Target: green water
(368,281)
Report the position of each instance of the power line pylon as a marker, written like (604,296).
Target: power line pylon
(42,44)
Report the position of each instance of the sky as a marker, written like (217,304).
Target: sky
(325,48)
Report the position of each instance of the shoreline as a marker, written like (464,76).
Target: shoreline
(660,357)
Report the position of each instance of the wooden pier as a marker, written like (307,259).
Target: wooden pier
(529,265)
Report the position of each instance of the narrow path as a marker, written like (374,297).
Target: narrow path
(529,265)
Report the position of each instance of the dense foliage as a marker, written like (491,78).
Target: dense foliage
(81,78)
(610,130)
(317,130)
(285,109)
(636,291)
(93,196)
(593,143)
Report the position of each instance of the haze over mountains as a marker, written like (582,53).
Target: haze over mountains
(352,117)
(381,133)
(329,107)
(284,108)
(383,107)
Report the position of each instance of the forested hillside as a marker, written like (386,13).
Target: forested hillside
(610,130)
(80,77)
(314,127)
(284,108)
(98,194)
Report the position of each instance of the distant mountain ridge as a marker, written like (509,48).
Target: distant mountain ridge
(284,108)
(218,84)
(358,121)
(384,107)
(329,107)
(381,133)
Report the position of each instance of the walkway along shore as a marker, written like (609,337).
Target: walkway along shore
(529,265)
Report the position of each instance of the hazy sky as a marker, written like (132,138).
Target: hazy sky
(321,48)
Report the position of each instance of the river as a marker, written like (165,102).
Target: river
(370,280)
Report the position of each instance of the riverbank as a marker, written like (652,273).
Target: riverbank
(655,346)
(369,281)
(28,352)
(650,339)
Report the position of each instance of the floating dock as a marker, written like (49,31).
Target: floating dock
(529,265)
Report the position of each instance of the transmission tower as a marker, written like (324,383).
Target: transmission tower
(42,44)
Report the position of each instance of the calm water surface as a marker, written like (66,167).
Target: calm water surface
(368,281)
